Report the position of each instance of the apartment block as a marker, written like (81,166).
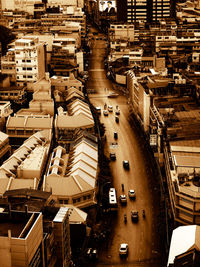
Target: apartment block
(133,11)
(21,239)
(184,246)
(63,57)
(30,61)
(122,32)
(62,237)
(140,99)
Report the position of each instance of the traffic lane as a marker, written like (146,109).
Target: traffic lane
(145,240)
(124,151)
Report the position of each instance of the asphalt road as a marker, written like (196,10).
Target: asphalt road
(145,246)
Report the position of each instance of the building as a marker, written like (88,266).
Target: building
(42,101)
(30,61)
(21,239)
(63,57)
(37,232)
(133,11)
(184,247)
(8,65)
(25,167)
(71,175)
(121,32)
(62,237)
(24,125)
(5,112)
(5,148)
(67,128)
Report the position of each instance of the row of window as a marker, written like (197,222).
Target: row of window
(9,94)
(75,200)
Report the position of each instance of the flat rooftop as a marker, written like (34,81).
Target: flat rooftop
(181,115)
(16,222)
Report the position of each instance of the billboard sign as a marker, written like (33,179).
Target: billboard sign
(107,6)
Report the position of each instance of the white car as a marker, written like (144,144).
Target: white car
(123,250)
(105,112)
(98,109)
(110,108)
(131,193)
(117,111)
(123,199)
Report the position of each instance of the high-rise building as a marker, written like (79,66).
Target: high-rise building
(30,60)
(133,11)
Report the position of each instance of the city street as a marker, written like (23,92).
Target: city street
(142,237)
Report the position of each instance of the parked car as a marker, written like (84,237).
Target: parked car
(105,112)
(126,164)
(115,135)
(123,249)
(134,216)
(123,199)
(131,193)
(112,156)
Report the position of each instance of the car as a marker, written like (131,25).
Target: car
(123,199)
(123,249)
(112,156)
(98,109)
(117,112)
(116,119)
(110,108)
(134,216)
(91,253)
(115,135)
(113,95)
(105,112)
(131,193)
(126,164)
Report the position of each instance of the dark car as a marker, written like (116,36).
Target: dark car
(112,156)
(126,164)
(92,254)
(115,135)
(116,119)
(134,216)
